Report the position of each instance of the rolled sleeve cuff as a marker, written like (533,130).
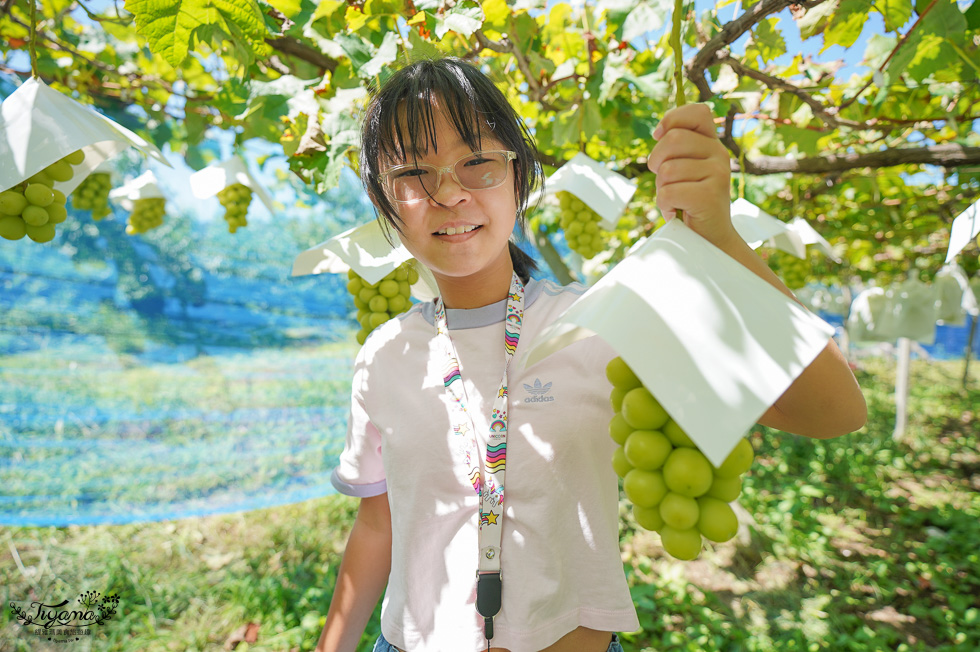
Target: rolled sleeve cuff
(358,490)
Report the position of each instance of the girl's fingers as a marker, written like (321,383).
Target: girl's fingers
(683,143)
(696,117)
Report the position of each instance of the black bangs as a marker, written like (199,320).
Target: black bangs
(407,123)
(400,126)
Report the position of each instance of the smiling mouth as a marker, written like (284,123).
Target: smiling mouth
(457,230)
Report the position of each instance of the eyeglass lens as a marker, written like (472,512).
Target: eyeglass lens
(479,171)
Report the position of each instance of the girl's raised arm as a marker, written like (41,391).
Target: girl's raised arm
(693,176)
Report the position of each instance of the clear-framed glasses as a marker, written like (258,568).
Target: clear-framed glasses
(407,184)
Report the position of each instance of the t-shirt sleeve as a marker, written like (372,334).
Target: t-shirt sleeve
(360,471)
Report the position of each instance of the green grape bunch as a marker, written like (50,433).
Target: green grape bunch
(147,213)
(673,487)
(92,194)
(378,302)
(235,199)
(794,272)
(581,225)
(33,207)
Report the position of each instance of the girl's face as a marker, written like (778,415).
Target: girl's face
(483,219)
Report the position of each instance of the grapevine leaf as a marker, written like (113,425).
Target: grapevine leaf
(972,16)
(420,48)
(496,12)
(879,47)
(767,40)
(172,27)
(895,12)
(356,19)
(815,19)
(386,54)
(465,18)
(646,17)
(846,24)
(326,8)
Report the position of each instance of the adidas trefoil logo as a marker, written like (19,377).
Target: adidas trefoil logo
(539,392)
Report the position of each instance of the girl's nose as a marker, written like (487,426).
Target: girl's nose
(450,192)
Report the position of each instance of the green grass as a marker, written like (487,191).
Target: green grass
(858,543)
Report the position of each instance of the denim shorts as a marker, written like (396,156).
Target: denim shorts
(381,645)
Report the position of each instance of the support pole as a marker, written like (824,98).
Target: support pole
(904,354)
(969,348)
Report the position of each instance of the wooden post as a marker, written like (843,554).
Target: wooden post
(904,353)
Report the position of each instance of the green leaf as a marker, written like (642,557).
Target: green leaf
(465,18)
(387,53)
(972,16)
(173,26)
(846,24)
(326,8)
(647,16)
(420,48)
(591,121)
(768,41)
(815,20)
(878,49)
(356,48)
(496,12)
(895,12)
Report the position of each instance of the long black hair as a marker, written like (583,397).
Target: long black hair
(472,104)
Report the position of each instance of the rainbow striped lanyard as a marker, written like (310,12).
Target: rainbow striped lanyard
(490,489)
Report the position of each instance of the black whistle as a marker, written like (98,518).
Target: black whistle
(488,587)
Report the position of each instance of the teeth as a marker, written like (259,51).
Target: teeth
(452,230)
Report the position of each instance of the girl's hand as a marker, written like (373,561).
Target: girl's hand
(693,172)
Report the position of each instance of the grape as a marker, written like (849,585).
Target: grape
(581,225)
(716,519)
(681,544)
(619,430)
(727,489)
(620,464)
(647,449)
(147,213)
(378,302)
(33,207)
(688,472)
(649,518)
(679,511)
(645,488)
(12,228)
(673,487)
(12,202)
(792,270)
(642,411)
(738,461)
(620,375)
(235,199)
(92,194)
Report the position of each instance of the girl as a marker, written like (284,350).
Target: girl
(438,417)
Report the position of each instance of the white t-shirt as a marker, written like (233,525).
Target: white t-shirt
(560,556)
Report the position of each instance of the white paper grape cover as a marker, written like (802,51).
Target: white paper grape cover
(757,226)
(807,236)
(714,343)
(214,178)
(142,187)
(604,191)
(39,126)
(365,250)
(965,227)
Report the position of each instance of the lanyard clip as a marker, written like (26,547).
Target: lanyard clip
(488,589)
